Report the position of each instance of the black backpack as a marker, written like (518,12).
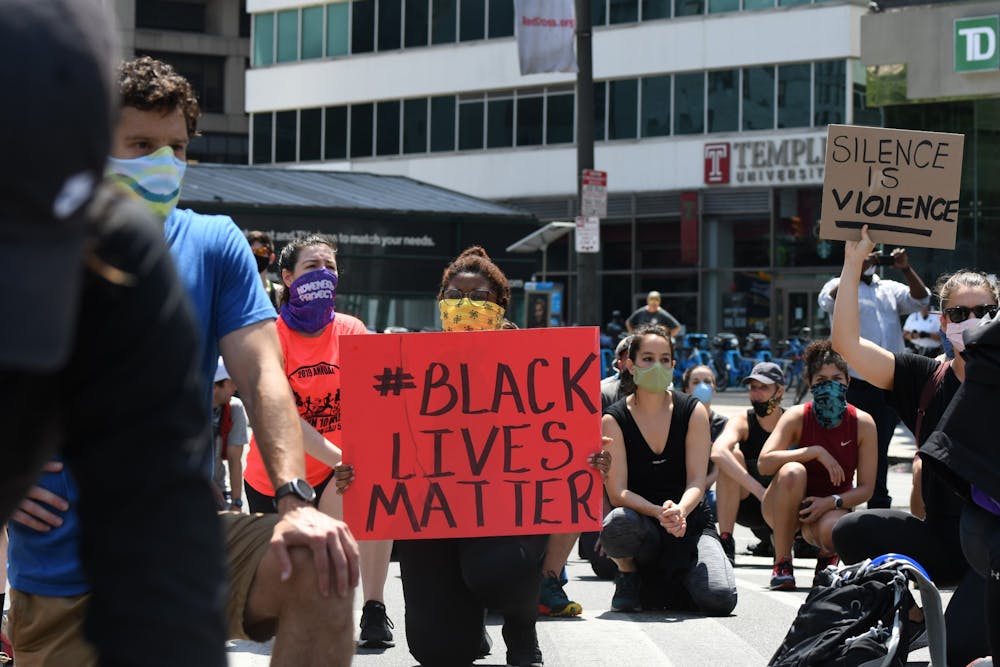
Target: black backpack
(858,619)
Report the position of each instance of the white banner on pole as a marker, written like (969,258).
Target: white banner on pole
(588,234)
(546,31)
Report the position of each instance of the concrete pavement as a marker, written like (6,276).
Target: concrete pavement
(748,637)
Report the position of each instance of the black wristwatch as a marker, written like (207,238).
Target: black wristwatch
(298,487)
(838,502)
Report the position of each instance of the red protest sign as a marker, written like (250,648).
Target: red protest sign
(469,434)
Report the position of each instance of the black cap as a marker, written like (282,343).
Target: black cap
(59,103)
(767,372)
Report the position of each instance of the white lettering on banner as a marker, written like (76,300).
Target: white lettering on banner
(715,153)
(374,240)
(980,43)
(799,160)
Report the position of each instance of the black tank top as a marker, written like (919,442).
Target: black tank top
(752,446)
(657,477)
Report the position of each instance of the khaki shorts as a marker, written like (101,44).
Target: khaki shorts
(48,631)
(247,538)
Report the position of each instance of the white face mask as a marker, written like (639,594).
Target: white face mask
(870,271)
(954,332)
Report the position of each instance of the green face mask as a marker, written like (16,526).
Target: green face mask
(655,378)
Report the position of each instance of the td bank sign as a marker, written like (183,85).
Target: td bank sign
(976,44)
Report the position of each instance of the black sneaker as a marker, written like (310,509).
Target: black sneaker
(522,644)
(729,546)
(762,549)
(626,597)
(376,628)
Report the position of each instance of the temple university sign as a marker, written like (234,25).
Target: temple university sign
(790,160)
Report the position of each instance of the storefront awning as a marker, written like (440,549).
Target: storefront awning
(541,238)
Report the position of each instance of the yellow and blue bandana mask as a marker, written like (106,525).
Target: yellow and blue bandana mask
(155,179)
(463,315)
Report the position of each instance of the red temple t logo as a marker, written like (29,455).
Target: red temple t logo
(716,163)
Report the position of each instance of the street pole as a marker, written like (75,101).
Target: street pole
(588,296)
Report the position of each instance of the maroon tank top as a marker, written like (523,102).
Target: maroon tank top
(841,441)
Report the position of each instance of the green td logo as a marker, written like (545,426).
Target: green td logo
(976,44)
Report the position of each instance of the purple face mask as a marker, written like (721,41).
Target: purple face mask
(310,301)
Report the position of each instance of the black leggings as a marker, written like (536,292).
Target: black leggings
(871,533)
(981,544)
(449,584)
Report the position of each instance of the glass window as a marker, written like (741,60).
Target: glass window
(312,32)
(758,98)
(387,133)
(559,119)
(689,7)
(863,114)
(335,134)
(415,30)
(529,120)
(337,24)
(689,103)
(472,20)
(757,4)
(206,74)
(263,39)
(500,123)
(310,134)
(600,97)
(501,18)
(794,93)
(443,123)
(390,18)
(655,9)
(829,85)
(720,6)
(444,16)
(362,129)
(623,111)
(362,26)
(470,125)
(792,3)
(171,15)
(415,126)
(598,12)
(288,35)
(624,11)
(656,106)
(262,137)
(285,134)
(723,101)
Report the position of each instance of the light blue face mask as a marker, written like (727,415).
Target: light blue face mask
(703,392)
(155,179)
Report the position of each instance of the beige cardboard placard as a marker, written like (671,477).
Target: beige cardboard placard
(903,184)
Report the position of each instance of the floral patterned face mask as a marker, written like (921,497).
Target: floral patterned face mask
(463,315)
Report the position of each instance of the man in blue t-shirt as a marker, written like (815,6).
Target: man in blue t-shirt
(292,575)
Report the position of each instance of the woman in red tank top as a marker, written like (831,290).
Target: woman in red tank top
(813,453)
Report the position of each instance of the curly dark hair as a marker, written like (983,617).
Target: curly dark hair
(475,260)
(819,353)
(290,255)
(148,84)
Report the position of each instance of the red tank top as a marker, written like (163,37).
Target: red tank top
(312,365)
(841,441)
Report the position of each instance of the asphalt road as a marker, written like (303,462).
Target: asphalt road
(599,636)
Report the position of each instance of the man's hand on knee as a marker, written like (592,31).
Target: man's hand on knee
(330,542)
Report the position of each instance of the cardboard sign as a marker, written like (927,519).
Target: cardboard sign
(903,184)
(470,434)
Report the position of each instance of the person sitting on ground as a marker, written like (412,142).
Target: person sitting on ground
(230,434)
(659,535)
(740,487)
(611,387)
(699,381)
(920,389)
(813,454)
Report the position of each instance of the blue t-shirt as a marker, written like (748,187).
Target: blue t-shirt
(215,263)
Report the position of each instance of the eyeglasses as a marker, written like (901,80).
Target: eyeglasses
(476,297)
(262,251)
(961,313)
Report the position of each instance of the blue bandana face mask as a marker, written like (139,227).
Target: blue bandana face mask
(829,402)
(155,179)
(310,301)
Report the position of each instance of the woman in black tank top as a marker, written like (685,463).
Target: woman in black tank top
(659,532)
